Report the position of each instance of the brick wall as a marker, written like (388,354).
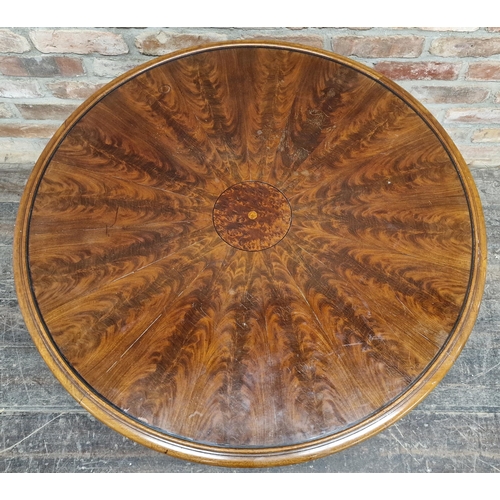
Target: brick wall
(46,73)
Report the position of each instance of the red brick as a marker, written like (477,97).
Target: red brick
(381,46)
(487,71)
(418,70)
(27,130)
(473,115)
(159,42)
(465,47)
(486,135)
(302,39)
(449,29)
(46,111)
(44,66)
(12,66)
(441,94)
(19,89)
(13,42)
(73,90)
(493,30)
(114,67)
(79,42)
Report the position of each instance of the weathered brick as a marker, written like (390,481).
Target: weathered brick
(19,89)
(41,66)
(73,90)
(481,155)
(13,42)
(302,39)
(27,130)
(497,98)
(473,115)
(487,71)
(418,70)
(459,134)
(493,30)
(5,111)
(13,179)
(381,46)
(21,150)
(46,111)
(449,29)
(159,42)
(79,42)
(442,94)
(486,135)
(465,47)
(12,66)
(114,67)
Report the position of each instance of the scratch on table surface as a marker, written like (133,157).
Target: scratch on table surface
(31,434)
(134,342)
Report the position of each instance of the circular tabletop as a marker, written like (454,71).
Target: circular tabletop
(250,254)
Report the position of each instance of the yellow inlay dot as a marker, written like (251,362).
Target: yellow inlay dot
(252,214)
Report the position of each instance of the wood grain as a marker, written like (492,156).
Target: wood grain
(295,336)
(252,216)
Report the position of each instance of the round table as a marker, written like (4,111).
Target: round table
(250,253)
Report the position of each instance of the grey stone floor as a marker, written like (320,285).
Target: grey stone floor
(455,429)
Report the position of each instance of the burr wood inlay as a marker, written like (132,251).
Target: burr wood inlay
(252,216)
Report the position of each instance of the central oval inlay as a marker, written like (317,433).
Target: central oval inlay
(252,215)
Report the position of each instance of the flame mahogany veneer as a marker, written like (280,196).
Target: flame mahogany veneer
(250,254)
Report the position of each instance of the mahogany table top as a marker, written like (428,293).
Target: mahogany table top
(250,254)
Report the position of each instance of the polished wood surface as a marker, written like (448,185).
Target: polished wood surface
(252,216)
(250,254)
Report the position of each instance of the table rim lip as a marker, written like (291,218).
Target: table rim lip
(233,456)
